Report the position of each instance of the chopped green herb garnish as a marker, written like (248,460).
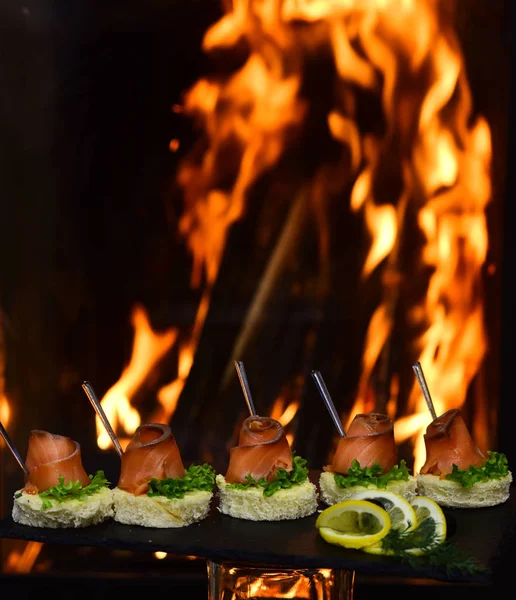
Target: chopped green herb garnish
(196,478)
(369,476)
(495,467)
(73,490)
(444,555)
(283,480)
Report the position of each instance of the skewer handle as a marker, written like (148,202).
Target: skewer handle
(239,365)
(87,387)
(424,388)
(12,448)
(323,390)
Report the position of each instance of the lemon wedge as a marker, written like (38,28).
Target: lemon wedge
(402,514)
(353,523)
(430,524)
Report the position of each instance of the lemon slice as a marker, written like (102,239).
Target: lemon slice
(353,523)
(430,524)
(427,508)
(403,516)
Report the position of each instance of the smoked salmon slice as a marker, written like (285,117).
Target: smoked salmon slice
(449,442)
(262,450)
(369,440)
(152,453)
(50,456)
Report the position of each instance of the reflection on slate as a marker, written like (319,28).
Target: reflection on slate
(486,535)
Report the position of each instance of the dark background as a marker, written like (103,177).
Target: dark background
(88,200)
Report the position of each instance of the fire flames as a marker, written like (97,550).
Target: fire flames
(419,177)
(420,180)
(409,156)
(5,411)
(148,348)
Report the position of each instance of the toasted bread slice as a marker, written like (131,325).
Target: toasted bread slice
(331,493)
(453,495)
(28,510)
(291,503)
(159,511)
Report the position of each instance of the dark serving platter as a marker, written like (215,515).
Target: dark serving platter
(487,535)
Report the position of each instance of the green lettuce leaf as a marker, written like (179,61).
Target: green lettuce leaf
(495,467)
(73,490)
(369,476)
(196,478)
(283,480)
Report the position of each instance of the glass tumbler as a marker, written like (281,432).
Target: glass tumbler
(229,580)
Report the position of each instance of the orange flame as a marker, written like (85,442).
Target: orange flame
(148,349)
(5,410)
(261,106)
(408,55)
(285,413)
(405,54)
(446,169)
(168,396)
(22,561)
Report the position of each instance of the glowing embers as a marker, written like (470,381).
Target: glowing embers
(23,556)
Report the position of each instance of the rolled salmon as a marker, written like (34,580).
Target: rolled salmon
(152,453)
(448,442)
(262,450)
(49,457)
(369,440)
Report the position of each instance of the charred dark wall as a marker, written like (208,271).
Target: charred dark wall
(508,296)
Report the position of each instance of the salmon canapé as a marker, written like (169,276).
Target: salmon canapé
(449,442)
(370,441)
(262,450)
(49,457)
(152,453)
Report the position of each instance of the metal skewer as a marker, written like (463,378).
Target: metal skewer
(323,390)
(239,365)
(424,388)
(12,448)
(87,387)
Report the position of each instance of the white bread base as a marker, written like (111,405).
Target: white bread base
(70,513)
(285,504)
(452,494)
(331,493)
(159,511)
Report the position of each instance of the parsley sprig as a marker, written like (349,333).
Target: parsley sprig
(73,490)
(283,480)
(196,478)
(495,467)
(436,555)
(369,476)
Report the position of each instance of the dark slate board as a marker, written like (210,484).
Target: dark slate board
(485,534)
